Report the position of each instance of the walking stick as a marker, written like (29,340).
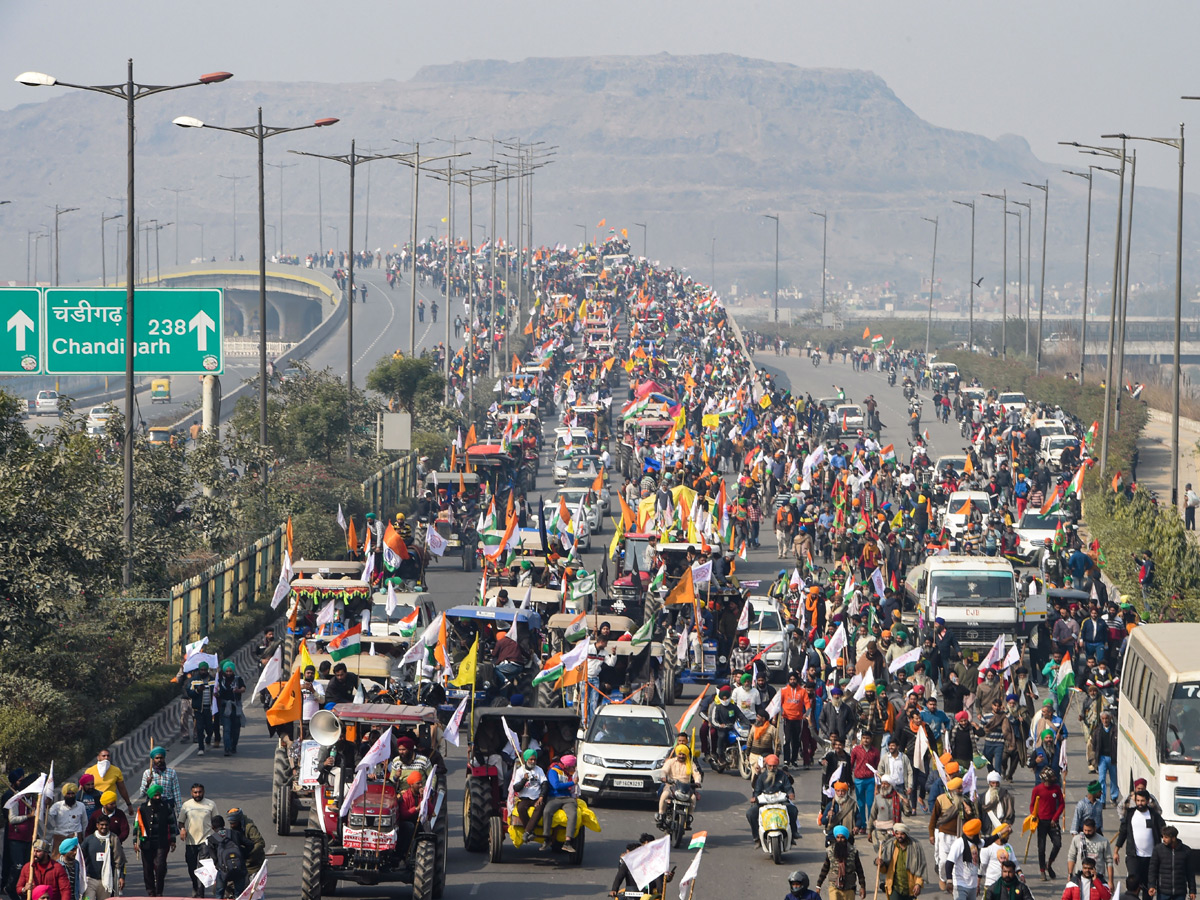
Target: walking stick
(1029,825)
(878,870)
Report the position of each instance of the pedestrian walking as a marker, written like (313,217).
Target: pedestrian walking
(195,827)
(230,688)
(1190,501)
(103,864)
(154,838)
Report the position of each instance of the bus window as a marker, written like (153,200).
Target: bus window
(1133,668)
(1183,725)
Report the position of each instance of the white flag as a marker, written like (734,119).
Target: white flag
(285,565)
(1013,657)
(357,788)
(369,568)
(702,573)
(428,638)
(744,619)
(281,590)
(833,779)
(528,599)
(682,652)
(994,654)
(195,647)
(326,614)
(513,742)
(867,680)
(192,663)
(877,581)
(577,655)
(834,648)
(341,519)
(257,887)
(451,732)
(904,659)
(921,747)
(968,782)
(271,671)
(775,707)
(379,752)
(424,810)
(44,784)
(436,543)
(649,861)
(391,599)
(690,875)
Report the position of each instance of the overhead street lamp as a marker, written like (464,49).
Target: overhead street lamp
(932,273)
(235,179)
(1087,251)
(58,211)
(1003,196)
(1114,153)
(130,92)
(1177,143)
(970,204)
(582,228)
(824,245)
(200,225)
(642,225)
(260,133)
(177,192)
(281,167)
(775,303)
(1020,259)
(352,161)
(1045,189)
(103,263)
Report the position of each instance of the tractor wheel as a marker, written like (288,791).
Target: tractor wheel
(544,696)
(441,848)
(477,808)
(312,874)
(289,652)
(668,682)
(466,561)
(576,858)
(281,791)
(495,839)
(424,871)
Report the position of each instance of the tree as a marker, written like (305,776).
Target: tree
(406,380)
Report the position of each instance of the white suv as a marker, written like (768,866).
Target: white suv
(623,751)
(46,403)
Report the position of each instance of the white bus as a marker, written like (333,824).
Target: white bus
(1158,721)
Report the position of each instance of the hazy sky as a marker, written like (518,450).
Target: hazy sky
(1045,69)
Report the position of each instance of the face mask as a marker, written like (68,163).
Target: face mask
(102,767)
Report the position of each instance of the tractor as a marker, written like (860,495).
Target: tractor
(369,845)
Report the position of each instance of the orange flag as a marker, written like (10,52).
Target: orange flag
(471,440)
(601,224)
(453,457)
(968,466)
(966,509)
(625,232)
(351,535)
(508,533)
(529,327)
(288,704)
(597,485)
(1116,483)
(866,334)
(288,533)
(684,590)
(563,513)
(395,543)
(508,511)
(627,515)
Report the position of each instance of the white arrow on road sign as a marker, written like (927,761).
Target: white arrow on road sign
(201,323)
(22,324)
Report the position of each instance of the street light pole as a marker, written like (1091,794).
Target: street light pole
(932,274)
(1045,189)
(1029,209)
(1087,257)
(59,212)
(1178,144)
(103,262)
(177,192)
(259,132)
(1112,315)
(775,304)
(824,245)
(281,166)
(351,160)
(1003,196)
(970,204)
(642,225)
(130,92)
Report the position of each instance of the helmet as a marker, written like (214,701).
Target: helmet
(800,878)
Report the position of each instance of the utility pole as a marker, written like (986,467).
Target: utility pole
(1045,189)
(177,192)
(970,204)
(775,303)
(281,166)
(1003,196)
(824,246)
(932,274)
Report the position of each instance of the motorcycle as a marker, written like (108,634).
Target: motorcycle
(909,391)
(733,754)
(816,359)
(774,825)
(679,812)
(891,377)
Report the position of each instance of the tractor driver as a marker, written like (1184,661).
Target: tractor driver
(408,760)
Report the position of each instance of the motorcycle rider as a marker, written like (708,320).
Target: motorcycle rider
(678,769)
(721,716)
(771,780)
(798,882)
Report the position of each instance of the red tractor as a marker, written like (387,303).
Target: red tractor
(370,844)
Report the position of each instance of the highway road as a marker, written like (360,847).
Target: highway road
(733,867)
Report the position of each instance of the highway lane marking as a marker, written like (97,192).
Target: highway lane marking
(384,331)
(475,889)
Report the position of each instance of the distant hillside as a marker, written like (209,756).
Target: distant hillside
(695,147)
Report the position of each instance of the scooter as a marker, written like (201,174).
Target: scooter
(774,825)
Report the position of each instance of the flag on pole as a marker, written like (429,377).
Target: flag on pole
(341,519)
(327,614)
(391,599)
(1064,678)
(436,543)
(271,671)
(649,861)
(451,732)
(689,714)
(904,659)
(685,886)
(744,619)
(466,669)
(348,643)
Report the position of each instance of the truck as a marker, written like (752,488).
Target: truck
(976,596)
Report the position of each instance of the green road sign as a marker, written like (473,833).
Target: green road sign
(20,331)
(176,331)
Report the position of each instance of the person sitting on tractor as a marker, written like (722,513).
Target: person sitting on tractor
(408,809)
(408,759)
(530,788)
(561,795)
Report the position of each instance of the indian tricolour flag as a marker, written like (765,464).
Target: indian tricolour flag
(551,671)
(348,643)
(408,625)
(689,715)
(657,581)
(576,629)
(1076,485)
(888,454)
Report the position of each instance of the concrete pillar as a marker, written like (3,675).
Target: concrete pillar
(210,401)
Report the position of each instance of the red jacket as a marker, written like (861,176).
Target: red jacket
(410,804)
(50,873)
(1049,800)
(1099,891)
